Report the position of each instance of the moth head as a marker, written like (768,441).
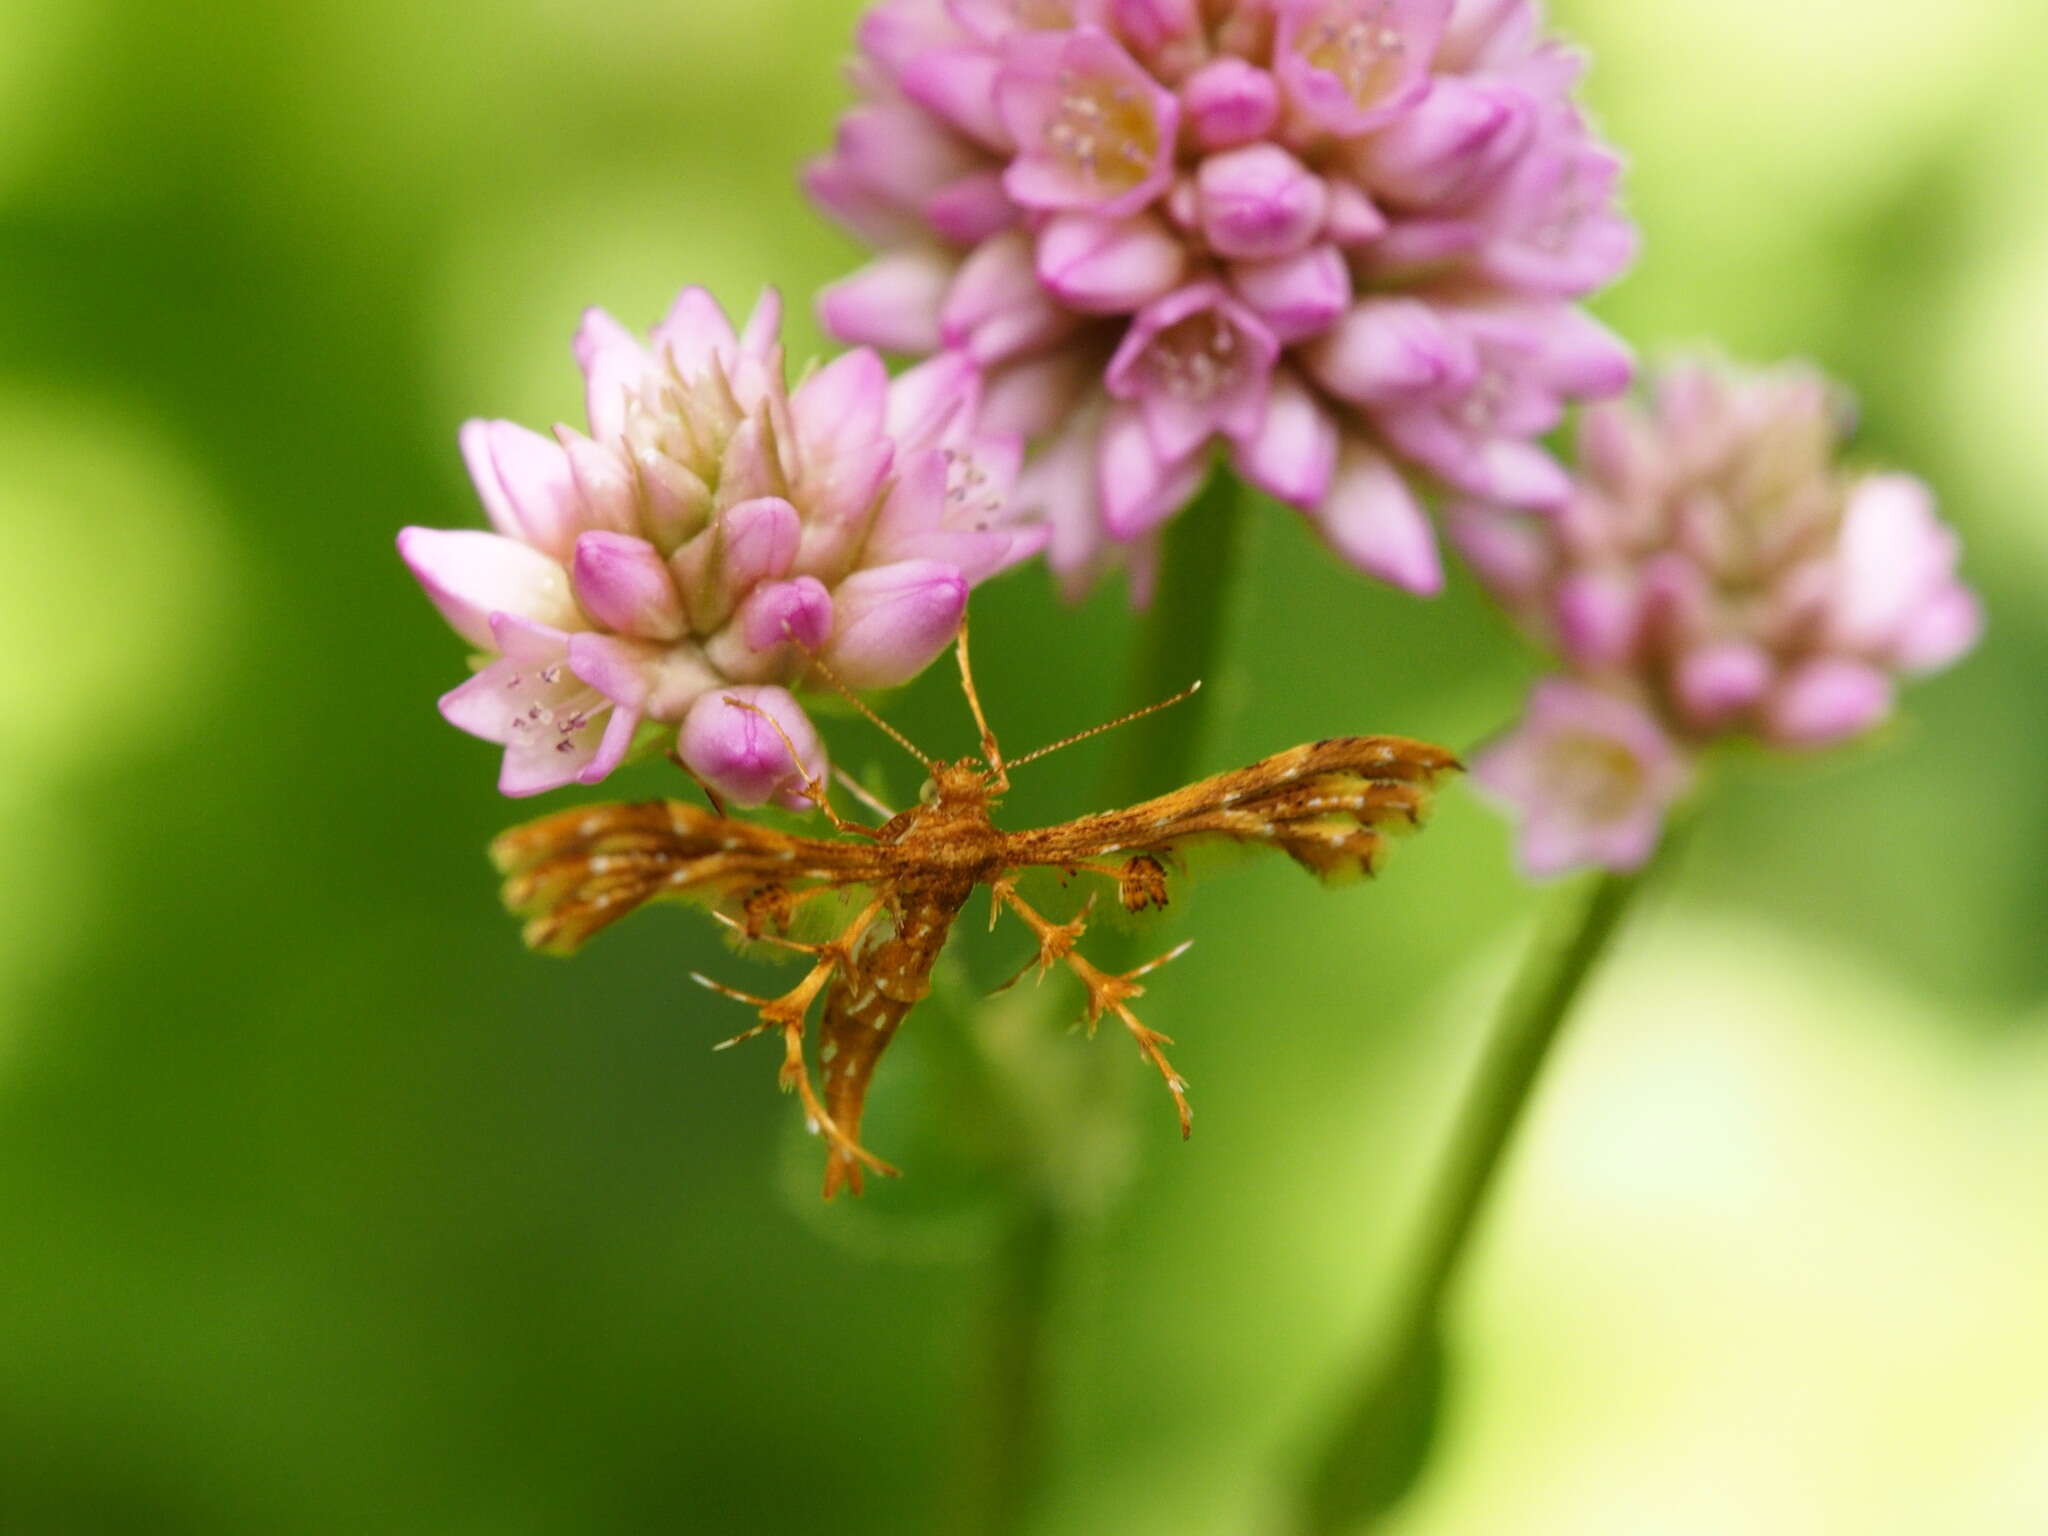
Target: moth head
(956,785)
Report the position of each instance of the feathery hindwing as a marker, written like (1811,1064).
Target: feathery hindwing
(579,871)
(1329,806)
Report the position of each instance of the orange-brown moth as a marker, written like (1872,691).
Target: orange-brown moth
(571,874)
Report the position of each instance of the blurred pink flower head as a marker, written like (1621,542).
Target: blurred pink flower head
(1590,775)
(712,530)
(1342,240)
(1716,568)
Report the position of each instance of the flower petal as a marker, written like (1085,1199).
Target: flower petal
(890,621)
(469,575)
(1372,518)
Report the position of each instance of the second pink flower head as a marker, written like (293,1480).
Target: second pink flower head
(1343,239)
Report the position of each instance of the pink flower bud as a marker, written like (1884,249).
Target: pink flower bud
(1259,202)
(1297,296)
(969,210)
(1678,600)
(1598,614)
(756,540)
(996,307)
(1552,223)
(898,154)
(1230,102)
(841,406)
(890,621)
(958,86)
(1945,628)
(676,503)
(524,482)
(892,302)
(623,583)
(938,398)
(1462,133)
(613,364)
(1354,219)
(1152,26)
(1386,349)
(1827,701)
(1718,683)
(1108,266)
(730,739)
(759,539)
(795,612)
(1895,555)
(604,482)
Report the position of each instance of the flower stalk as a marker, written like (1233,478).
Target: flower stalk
(1178,641)
(1380,1441)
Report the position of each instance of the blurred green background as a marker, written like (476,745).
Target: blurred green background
(323,1208)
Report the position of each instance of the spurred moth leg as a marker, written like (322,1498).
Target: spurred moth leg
(786,1013)
(1106,993)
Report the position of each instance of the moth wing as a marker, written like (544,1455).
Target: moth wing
(1331,806)
(579,871)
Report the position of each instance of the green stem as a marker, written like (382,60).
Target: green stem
(1382,1435)
(1005,1460)
(1178,641)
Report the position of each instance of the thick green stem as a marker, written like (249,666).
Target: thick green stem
(1382,1434)
(1177,641)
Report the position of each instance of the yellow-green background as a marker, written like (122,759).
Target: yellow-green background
(323,1208)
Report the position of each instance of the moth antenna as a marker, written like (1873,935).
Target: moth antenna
(856,701)
(814,789)
(717,800)
(1108,725)
(990,752)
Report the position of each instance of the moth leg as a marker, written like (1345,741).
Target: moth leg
(1107,993)
(787,1012)
(1140,879)
(814,788)
(1055,940)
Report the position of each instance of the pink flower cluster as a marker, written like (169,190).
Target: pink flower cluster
(1341,238)
(1714,573)
(711,533)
